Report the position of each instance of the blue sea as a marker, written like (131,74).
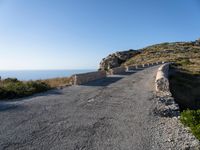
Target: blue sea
(40,74)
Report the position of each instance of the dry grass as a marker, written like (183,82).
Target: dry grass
(58,82)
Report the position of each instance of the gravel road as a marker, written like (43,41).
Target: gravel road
(115,113)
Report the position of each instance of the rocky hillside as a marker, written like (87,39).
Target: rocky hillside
(185,54)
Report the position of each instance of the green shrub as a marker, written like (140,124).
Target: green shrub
(191,118)
(13,88)
(11,80)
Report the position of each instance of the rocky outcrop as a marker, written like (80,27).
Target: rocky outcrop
(116,59)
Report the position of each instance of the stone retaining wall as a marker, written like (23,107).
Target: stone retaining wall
(86,77)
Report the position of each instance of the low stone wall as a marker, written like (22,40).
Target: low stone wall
(90,76)
(120,70)
(86,77)
(128,68)
(162,83)
(117,70)
(170,127)
(168,107)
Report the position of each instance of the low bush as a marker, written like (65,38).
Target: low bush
(13,88)
(191,118)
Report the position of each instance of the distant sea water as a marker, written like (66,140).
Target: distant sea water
(40,74)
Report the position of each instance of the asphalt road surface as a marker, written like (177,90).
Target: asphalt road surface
(115,113)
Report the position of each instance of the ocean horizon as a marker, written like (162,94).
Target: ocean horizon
(26,75)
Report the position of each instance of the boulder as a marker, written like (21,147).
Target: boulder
(116,59)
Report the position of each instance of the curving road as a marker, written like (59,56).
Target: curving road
(112,113)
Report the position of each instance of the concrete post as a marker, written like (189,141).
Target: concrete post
(126,68)
(75,79)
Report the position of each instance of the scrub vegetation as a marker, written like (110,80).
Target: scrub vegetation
(11,88)
(191,118)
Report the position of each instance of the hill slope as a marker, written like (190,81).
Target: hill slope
(185,54)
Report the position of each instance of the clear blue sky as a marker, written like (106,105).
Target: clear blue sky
(77,34)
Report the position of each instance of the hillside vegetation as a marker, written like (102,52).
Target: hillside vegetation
(11,88)
(185,54)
